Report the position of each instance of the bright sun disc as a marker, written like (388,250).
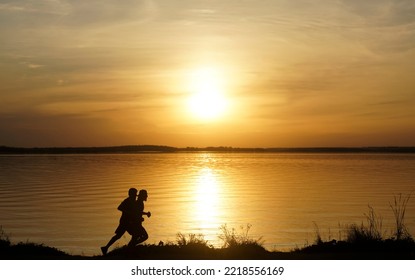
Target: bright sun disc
(207,100)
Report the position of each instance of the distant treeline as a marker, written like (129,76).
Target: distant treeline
(89,150)
(167,149)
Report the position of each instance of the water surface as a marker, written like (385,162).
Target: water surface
(70,201)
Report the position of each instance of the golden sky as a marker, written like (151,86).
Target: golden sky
(242,73)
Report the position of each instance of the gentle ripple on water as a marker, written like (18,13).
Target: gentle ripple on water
(70,201)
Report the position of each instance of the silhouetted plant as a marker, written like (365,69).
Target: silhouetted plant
(370,232)
(399,210)
(191,240)
(318,239)
(4,238)
(374,224)
(233,238)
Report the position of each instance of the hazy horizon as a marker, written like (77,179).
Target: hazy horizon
(270,73)
(147,147)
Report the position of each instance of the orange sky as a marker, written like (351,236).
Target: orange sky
(248,73)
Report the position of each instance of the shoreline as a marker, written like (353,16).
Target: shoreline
(148,149)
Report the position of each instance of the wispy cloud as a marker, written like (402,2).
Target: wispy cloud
(34,66)
(51,7)
(382,12)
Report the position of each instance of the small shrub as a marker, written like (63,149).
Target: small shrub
(232,238)
(191,240)
(366,233)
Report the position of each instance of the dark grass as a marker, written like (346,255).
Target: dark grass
(32,251)
(333,250)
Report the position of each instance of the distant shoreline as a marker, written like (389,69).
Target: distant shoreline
(135,149)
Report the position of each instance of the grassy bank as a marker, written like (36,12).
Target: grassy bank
(333,250)
(196,248)
(364,241)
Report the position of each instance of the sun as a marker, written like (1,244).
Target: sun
(207,100)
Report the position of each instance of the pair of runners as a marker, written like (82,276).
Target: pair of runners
(132,209)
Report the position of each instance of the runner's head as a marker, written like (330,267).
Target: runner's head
(143,195)
(132,192)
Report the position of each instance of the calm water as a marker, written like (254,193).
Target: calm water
(70,201)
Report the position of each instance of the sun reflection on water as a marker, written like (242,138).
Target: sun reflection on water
(207,198)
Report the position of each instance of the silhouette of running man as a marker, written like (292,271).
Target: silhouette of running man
(131,219)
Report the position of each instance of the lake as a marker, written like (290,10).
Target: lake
(70,201)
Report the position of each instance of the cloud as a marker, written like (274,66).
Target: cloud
(382,12)
(34,129)
(12,7)
(51,7)
(100,13)
(34,66)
